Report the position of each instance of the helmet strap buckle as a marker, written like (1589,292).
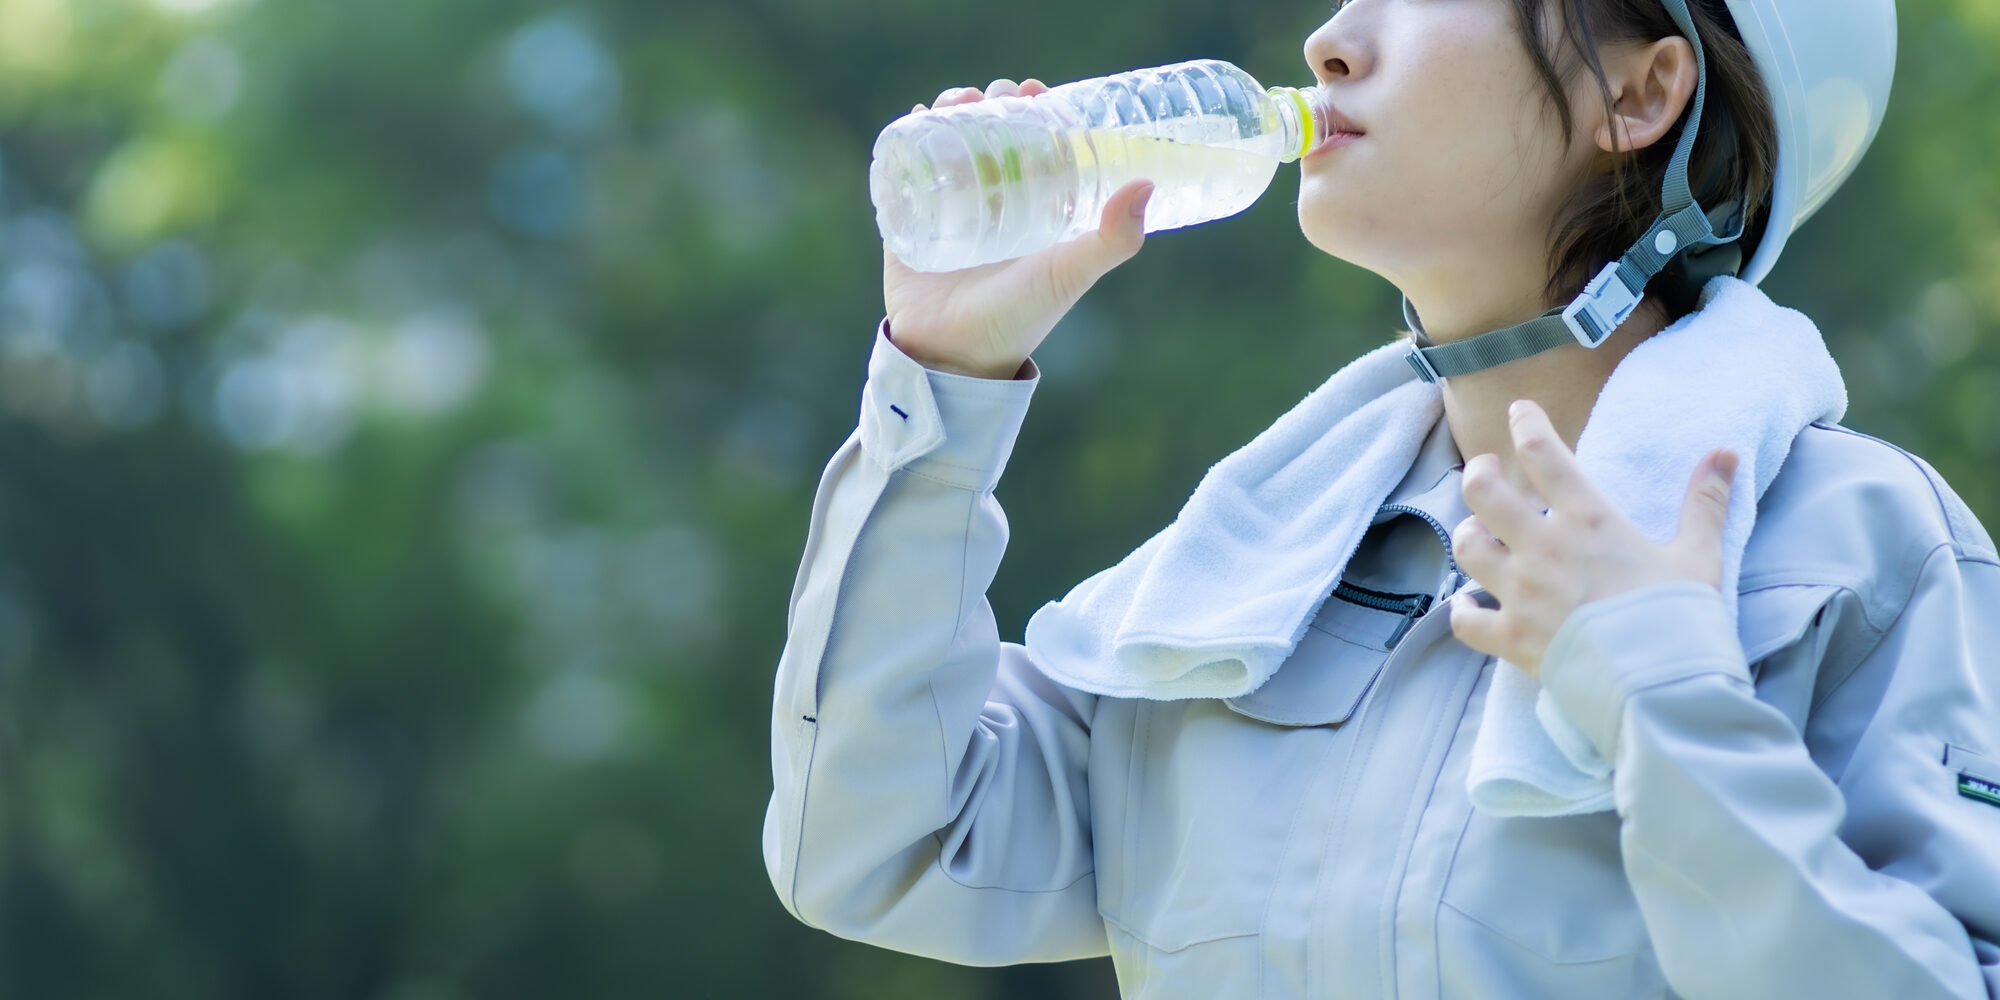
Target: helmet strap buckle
(1605,304)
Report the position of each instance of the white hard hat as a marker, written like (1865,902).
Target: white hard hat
(1827,65)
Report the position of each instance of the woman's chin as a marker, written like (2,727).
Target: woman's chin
(1334,241)
(1344,248)
(1348,230)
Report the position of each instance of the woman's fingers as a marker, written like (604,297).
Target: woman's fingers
(998,88)
(1480,627)
(1551,466)
(1477,552)
(1500,506)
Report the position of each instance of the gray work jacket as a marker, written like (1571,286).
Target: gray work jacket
(1806,807)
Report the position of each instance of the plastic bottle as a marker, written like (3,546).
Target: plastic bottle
(991,180)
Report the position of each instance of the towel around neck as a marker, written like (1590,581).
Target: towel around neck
(1214,603)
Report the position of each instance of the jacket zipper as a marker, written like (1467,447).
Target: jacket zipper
(1444,534)
(1410,606)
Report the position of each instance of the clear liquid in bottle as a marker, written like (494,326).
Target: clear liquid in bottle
(975,183)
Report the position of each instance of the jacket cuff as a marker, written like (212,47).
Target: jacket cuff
(957,429)
(1611,649)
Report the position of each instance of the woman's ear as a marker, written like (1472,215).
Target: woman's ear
(1650,85)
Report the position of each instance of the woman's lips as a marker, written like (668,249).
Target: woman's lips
(1334,141)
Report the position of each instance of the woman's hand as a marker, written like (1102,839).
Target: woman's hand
(986,320)
(1543,568)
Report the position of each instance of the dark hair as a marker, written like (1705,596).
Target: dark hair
(1735,152)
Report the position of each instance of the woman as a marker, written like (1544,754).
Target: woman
(1804,806)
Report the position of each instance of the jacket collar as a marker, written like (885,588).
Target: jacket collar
(1431,485)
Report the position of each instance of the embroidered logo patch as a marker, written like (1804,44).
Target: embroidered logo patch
(1974,787)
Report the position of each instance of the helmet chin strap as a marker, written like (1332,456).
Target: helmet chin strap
(1608,300)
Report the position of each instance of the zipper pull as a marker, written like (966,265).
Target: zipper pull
(1420,604)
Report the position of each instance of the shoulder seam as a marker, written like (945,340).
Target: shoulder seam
(1881,631)
(1959,547)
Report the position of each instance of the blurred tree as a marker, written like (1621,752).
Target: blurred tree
(409,417)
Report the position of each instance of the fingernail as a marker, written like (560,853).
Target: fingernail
(1139,202)
(1516,408)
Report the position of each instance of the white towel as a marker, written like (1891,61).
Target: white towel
(1211,605)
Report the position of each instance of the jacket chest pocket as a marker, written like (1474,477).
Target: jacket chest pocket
(1541,907)
(1554,887)
(1204,813)
(1337,659)
(1214,791)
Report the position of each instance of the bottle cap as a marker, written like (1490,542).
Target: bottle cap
(1305,115)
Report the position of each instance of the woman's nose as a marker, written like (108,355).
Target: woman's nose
(1334,53)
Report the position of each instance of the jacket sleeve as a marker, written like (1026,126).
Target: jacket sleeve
(1762,871)
(929,783)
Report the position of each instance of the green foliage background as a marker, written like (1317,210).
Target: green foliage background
(410,413)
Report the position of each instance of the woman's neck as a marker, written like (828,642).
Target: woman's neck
(1564,381)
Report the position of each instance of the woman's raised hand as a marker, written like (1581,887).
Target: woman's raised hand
(986,320)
